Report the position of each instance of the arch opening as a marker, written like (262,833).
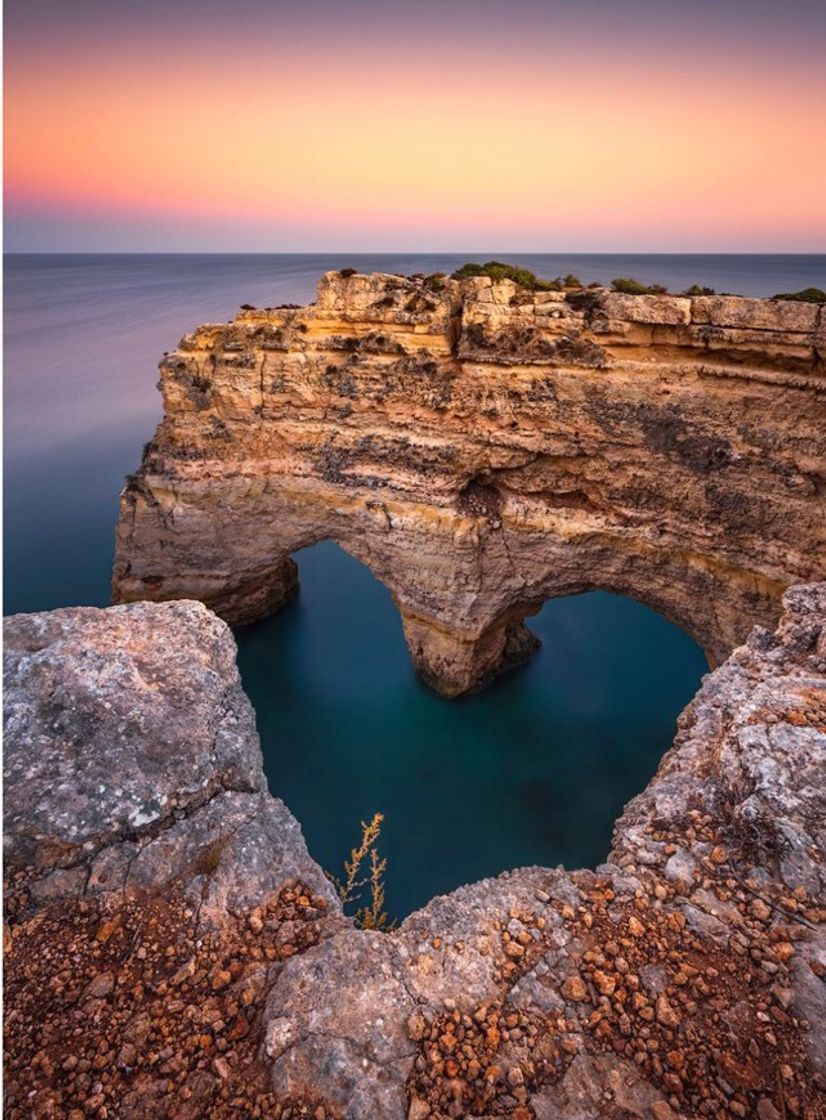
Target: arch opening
(534,770)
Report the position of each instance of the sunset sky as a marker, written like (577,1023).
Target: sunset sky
(341,125)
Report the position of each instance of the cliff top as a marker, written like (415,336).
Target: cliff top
(354,291)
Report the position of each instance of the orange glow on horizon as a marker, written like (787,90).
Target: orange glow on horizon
(347,142)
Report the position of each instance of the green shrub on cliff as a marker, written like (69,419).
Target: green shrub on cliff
(496,270)
(807,295)
(696,290)
(631,287)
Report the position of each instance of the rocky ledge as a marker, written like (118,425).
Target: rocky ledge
(481,448)
(172,950)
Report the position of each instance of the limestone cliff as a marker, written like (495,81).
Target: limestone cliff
(481,448)
(174,954)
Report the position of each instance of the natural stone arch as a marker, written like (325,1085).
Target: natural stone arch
(482,449)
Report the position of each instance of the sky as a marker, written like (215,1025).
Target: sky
(451,125)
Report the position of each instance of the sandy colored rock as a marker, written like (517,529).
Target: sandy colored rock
(698,1002)
(482,448)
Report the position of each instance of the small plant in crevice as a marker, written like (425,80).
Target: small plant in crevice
(365,869)
(206,862)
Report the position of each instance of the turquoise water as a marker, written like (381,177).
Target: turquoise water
(534,770)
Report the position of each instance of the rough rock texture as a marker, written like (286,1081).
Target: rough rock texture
(683,978)
(131,758)
(176,954)
(152,886)
(482,448)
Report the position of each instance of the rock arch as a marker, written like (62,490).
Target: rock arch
(481,448)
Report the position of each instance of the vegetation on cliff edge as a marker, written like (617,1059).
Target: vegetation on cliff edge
(351,888)
(807,295)
(497,270)
(631,287)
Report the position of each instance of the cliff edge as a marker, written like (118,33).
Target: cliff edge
(482,447)
(173,952)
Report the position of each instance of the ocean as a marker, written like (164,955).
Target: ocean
(534,770)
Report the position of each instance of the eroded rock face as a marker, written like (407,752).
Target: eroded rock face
(211,970)
(683,978)
(482,448)
(131,759)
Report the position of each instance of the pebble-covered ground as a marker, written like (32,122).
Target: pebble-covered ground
(118,1010)
(709,1025)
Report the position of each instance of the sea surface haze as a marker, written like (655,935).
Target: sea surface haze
(534,770)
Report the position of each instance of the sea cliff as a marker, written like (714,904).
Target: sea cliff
(482,447)
(173,951)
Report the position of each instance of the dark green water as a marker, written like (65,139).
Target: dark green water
(535,770)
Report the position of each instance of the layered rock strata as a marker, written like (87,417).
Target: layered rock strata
(481,448)
(682,978)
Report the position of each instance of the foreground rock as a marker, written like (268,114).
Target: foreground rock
(153,887)
(482,448)
(131,758)
(189,960)
(683,978)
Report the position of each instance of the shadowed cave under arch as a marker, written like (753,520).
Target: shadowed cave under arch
(533,770)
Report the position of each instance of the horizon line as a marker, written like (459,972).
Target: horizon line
(409,252)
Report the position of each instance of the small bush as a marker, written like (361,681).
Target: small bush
(547,285)
(631,287)
(435,281)
(696,290)
(248,307)
(345,272)
(571,281)
(807,295)
(496,270)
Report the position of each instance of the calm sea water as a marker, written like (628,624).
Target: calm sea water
(533,771)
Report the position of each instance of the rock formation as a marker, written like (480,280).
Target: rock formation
(481,448)
(131,758)
(152,885)
(171,944)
